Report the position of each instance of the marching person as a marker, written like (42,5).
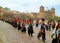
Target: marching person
(58,32)
(53,25)
(37,21)
(42,31)
(43,27)
(54,36)
(39,28)
(30,30)
(19,26)
(23,29)
(49,25)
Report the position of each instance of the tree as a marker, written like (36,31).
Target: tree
(56,18)
(6,8)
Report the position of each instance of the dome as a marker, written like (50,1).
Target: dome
(41,6)
(52,8)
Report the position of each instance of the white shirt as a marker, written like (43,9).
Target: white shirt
(39,26)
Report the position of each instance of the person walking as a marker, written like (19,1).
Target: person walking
(39,28)
(43,27)
(49,25)
(19,26)
(53,25)
(58,32)
(30,30)
(54,36)
(23,29)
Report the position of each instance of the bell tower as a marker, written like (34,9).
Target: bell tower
(41,9)
(52,12)
(41,12)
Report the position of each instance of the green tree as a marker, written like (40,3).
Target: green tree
(6,8)
(56,18)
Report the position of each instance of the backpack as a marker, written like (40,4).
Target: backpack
(54,35)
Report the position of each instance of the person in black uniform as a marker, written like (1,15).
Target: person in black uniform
(19,26)
(43,30)
(30,30)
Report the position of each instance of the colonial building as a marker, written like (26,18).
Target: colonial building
(45,14)
(42,13)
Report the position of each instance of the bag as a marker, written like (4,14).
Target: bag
(53,36)
(39,34)
(42,31)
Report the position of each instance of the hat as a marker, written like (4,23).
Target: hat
(43,19)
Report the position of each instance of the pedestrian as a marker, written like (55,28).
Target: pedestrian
(43,27)
(58,32)
(39,28)
(43,32)
(53,25)
(54,36)
(30,30)
(23,29)
(19,26)
(37,21)
(49,25)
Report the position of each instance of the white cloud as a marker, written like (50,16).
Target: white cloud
(31,2)
(11,5)
(30,5)
(48,2)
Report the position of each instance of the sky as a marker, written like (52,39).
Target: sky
(31,5)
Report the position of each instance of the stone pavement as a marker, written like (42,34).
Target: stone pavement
(1,38)
(12,35)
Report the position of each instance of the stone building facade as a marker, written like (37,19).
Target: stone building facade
(45,14)
(42,13)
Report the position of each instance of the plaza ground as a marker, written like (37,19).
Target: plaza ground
(9,34)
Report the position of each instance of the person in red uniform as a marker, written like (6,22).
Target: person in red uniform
(20,20)
(58,29)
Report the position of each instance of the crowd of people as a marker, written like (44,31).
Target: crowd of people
(41,24)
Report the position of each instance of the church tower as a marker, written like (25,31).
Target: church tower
(41,9)
(41,12)
(52,12)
